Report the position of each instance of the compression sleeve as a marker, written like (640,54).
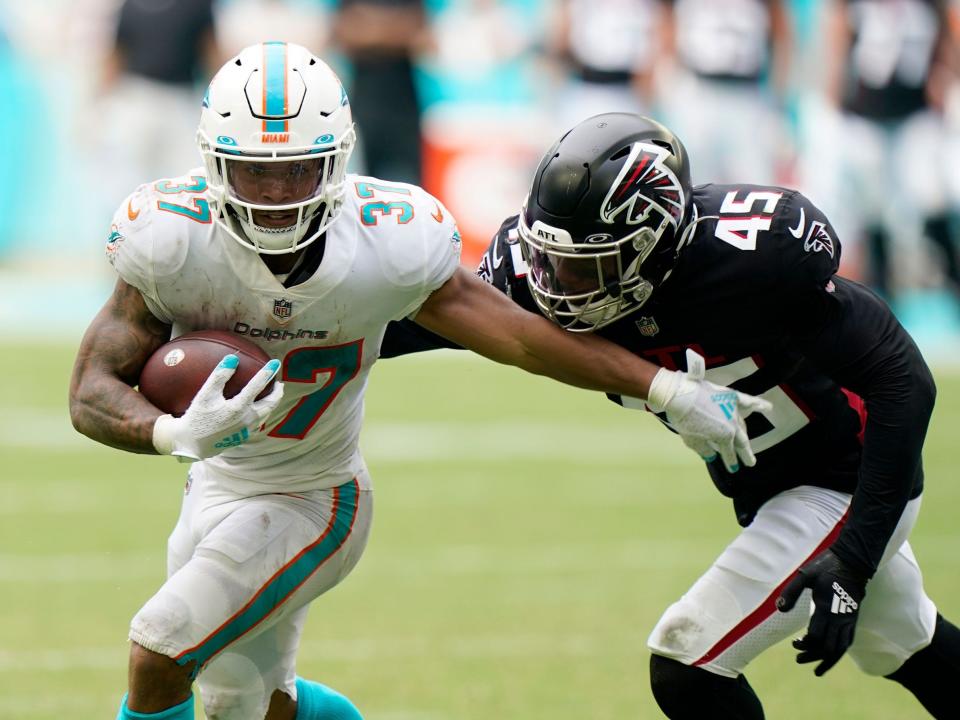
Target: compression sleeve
(404,337)
(862,347)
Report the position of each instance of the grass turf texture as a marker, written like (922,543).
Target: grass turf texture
(518,559)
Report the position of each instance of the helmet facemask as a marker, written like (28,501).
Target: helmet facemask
(584,284)
(278,203)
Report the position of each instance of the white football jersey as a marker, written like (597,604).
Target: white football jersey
(391,247)
(729,37)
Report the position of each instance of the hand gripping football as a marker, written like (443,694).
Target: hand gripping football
(177,369)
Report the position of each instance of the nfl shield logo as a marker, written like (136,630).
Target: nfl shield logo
(282,309)
(648,326)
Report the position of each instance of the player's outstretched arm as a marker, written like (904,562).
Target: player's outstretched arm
(115,347)
(472,314)
(476,316)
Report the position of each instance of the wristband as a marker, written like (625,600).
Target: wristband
(662,389)
(163,431)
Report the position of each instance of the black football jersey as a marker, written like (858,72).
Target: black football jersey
(756,293)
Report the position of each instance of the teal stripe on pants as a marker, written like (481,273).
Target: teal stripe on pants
(285,582)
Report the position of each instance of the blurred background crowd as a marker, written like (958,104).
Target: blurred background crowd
(855,102)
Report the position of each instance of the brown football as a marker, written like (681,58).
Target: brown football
(177,370)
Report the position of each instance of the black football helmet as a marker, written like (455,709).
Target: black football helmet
(603,223)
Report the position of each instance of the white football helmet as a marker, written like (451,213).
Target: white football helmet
(275,135)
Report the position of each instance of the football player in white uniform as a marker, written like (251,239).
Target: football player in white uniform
(274,241)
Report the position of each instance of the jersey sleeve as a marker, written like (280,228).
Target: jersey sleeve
(846,332)
(861,346)
(808,248)
(433,256)
(145,247)
(443,245)
(808,257)
(501,266)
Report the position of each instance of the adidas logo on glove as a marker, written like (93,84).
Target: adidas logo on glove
(727,401)
(842,602)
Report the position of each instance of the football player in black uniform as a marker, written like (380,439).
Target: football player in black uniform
(614,240)
(887,67)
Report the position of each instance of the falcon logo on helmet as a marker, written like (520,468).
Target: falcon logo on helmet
(644,184)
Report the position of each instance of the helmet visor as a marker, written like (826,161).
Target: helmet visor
(571,275)
(584,284)
(268,182)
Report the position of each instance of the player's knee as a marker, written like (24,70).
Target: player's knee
(875,655)
(679,634)
(233,695)
(157,678)
(147,662)
(160,622)
(233,704)
(671,682)
(684,692)
(282,707)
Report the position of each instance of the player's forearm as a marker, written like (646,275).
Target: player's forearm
(107,410)
(103,404)
(513,336)
(583,360)
(477,317)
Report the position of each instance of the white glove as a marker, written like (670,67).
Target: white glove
(212,423)
(708,417)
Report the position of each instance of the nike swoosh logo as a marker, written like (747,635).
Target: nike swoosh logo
(438,215)
(131,213)
(798,231)
(496,258)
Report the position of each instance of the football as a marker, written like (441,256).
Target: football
(178,369)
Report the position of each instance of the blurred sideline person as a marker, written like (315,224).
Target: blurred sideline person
(150,88)
(608,51)
(476,40)
(730,63)
(274,241)
(885,178)
(950,63)
(245,22)
(19,91)
(613,240)
(381,39)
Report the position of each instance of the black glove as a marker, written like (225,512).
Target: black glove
(837,594)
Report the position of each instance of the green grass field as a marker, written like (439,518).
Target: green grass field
(517,563)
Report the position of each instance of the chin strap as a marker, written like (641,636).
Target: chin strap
(686,237)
